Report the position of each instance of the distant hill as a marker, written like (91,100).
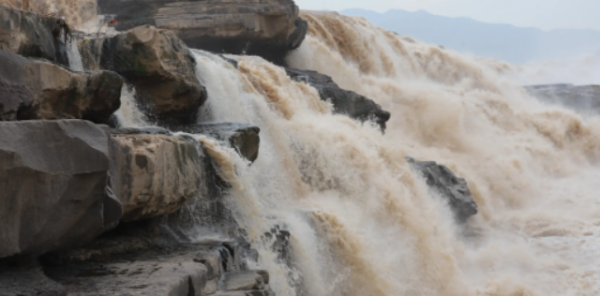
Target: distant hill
(503,42)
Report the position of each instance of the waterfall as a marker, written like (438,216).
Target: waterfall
(362,222)
(75,61)
(129,114)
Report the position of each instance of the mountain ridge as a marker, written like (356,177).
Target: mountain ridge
(498,41)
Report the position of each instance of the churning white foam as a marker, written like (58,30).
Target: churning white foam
(362,222)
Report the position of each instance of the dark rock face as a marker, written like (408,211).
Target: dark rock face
(53,185)
(344,101)
(34,89)
(31,35)
(134,263)
(158,64)
(584,99)
(449,186)
(267,28)
(242,137)
(27,282)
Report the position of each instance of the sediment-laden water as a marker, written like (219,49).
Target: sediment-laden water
(362,222)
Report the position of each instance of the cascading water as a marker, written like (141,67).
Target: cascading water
(362,222)
(75,61)
(130,115)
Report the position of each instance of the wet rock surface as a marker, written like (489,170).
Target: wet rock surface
(136,262)
(267,28)
(241,136)
(35,89)
(344,101)
(451,187)
(159,173)
(581,98)
(53,185)
(158,64)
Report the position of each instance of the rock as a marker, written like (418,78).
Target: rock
(34,89)
(241,136)
(244,280)
(159,173)
(167,274)
(344,101)
(31,35)
(53,185)
(158,64)
(279,240)
(267,28)
(129,264)
(584,98)
(451,187)
(28,282)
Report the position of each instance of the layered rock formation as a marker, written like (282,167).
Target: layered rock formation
(53,185)
(35,89)
(268,28)
(344,101)
(205,269)
(580,98)
(158,64)
(158,174)
(63,183)
(31,35)
(451,187)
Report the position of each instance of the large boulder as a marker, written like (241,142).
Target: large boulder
(451,187)
(31,35)
(35,89)
(158,173)
(268,28)
(244,138)
(347,102)
(581,98)
(158,64)
(28,281)
(53,185)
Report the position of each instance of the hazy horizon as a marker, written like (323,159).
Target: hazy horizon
(542,14)
(505,42)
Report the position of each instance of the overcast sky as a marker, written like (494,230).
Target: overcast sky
(544,14)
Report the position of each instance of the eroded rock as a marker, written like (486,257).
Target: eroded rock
(35,89)
(451,187)
(268,28)
(168,274)
(132,264)
(26,282)
(241,136)
(244,280)
(158,64)
(53,185)
(347,102)
(158,173)
(31,35)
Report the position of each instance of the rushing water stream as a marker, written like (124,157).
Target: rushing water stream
(362,222)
